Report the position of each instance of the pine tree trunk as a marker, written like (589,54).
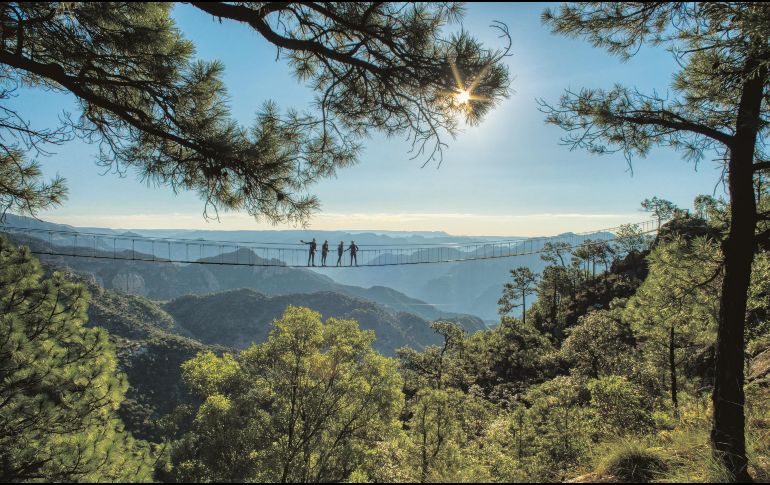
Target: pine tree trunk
(554,308)
(672,370)
(728,434)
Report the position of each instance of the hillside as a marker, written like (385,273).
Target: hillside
(239,317)
(150,349)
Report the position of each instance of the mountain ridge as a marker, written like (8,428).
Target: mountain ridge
(159,280)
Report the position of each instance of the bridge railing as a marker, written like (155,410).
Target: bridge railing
(65,243)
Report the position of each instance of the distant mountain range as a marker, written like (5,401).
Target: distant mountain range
(380,237)
(166,281)
(234,305)
(435,291)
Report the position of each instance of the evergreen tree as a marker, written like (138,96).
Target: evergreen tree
(554,285)
(59,384)
(600,345)
(523,284)
(441,441)
(712,210)
(507,359)
(661,209)
(555,253)
(554,428)
(151,106)
(435,367)
(603,253)
(719,104)
(628,239)
(22,189)
(435,434)
(674,312)
(582,257)
(621,407)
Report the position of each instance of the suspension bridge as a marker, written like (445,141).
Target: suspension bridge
(127,247)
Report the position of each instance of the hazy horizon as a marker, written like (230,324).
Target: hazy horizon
(521,225)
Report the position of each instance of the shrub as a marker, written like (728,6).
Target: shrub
(620,406)
(631,461)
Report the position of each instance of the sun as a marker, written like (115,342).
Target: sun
(463,92)
(463,96)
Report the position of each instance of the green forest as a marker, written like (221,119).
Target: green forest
(606,376)
(639,357)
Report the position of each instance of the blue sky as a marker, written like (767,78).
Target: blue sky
(508,176)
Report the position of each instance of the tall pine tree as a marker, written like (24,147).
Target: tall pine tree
(59,385)
(719,104)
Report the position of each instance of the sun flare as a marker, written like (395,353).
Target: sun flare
(463,96)
(463,92)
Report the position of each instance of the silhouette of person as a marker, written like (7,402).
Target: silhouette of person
(353,252)
(340,250)
(324,252)
(311,252)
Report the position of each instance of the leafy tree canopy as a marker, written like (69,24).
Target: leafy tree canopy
(303,406)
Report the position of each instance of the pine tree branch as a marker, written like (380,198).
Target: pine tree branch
(55,72)
(256,19)
(674,121)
